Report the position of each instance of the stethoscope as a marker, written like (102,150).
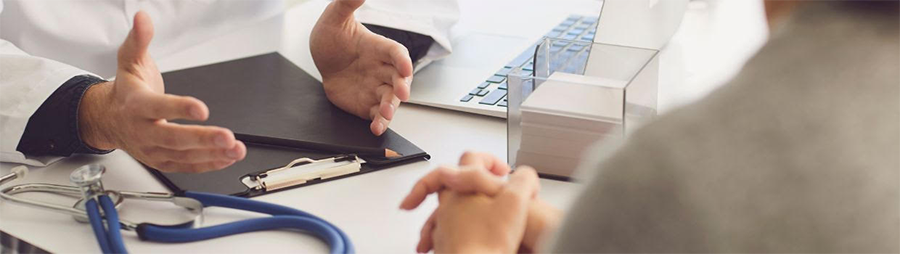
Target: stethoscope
(97,205)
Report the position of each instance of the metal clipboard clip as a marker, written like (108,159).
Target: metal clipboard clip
(301,171)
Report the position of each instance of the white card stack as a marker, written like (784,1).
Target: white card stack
(566,115)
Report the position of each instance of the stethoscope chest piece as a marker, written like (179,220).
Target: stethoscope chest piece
(88,179)
(87,174)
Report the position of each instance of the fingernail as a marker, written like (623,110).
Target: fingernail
(408,80)
(379,126)
(221,142)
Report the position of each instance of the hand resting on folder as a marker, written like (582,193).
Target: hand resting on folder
(364,73)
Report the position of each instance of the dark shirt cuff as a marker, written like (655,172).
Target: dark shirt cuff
(53,128)
(417,44)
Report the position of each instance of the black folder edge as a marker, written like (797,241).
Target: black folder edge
(366,168)
(322,148)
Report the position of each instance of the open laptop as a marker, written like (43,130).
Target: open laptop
(473,78)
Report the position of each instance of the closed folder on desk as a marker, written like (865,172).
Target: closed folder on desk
(278,110)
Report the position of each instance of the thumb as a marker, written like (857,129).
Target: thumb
(342,10)
(135,46)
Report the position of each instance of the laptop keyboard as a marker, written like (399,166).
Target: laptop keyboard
(577,28)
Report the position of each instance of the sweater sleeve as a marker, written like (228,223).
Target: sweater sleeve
(417,44)
(53,129)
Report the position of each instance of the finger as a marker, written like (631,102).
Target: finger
(388,74)
(383,112)
(486,160)
(396,54)
(135,45)
(381,93)
(182,137)
(197,155)
(425,241)
(473,180)
(171,166)
(388,106)
(466,180)
(430,183)
(443,195)
(378,126)
(401,86)
(155,106)
(523,185)
(340,11)
(384,73)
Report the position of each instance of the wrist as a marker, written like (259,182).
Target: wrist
(93,114)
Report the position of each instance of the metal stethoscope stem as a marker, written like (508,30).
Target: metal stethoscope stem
(88,187)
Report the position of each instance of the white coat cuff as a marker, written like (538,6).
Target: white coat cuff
(28,82)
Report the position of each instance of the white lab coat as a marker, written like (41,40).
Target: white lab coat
(44,43)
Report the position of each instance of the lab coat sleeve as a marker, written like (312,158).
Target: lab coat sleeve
(26,82)
(432,18)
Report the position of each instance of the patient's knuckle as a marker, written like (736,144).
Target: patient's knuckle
(466,156)
(444,171)
(472,175)
(528,173)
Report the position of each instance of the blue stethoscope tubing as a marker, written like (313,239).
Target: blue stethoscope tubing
(110,240)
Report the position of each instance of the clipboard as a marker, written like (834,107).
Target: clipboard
(281,113)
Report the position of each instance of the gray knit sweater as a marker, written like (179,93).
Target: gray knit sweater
(799,153)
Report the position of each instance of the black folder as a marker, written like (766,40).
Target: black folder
(280,112)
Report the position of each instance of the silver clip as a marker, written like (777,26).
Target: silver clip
(303,170)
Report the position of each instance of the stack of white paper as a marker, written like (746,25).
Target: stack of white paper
(566,115)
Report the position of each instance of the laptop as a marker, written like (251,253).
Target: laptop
(473,78)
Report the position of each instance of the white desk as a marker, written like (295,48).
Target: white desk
(364,206)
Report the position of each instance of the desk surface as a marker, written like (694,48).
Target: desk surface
(365,206)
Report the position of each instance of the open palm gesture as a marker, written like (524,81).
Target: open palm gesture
(363,73)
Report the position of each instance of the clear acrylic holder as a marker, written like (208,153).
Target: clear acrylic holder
(627,78)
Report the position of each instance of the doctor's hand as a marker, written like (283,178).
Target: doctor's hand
(131,113)
(478,174)
(363,73)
